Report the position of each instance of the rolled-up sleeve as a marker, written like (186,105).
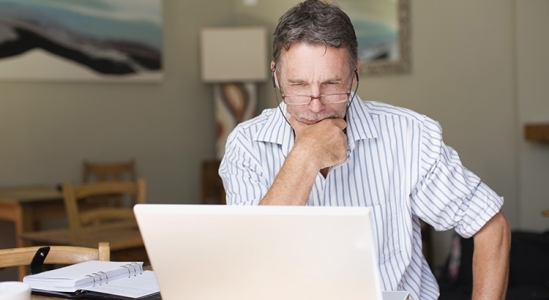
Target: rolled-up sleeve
(448,195)
(241,171)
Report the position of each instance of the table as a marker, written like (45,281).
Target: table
(124,239)
(26,206)
(43,297)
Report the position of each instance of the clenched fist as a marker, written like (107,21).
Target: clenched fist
(325,142)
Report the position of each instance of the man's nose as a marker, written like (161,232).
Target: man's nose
(316,104)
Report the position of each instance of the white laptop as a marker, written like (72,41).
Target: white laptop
(262,252)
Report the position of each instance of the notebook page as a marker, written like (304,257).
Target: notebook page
(133,287)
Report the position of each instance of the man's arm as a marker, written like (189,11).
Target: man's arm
(317,146)
(491,259)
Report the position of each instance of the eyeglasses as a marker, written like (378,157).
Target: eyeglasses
(332,98)
(325,99)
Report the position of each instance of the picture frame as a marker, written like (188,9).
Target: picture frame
(89,41)
(383,34)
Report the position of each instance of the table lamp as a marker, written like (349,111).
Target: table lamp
(234,59)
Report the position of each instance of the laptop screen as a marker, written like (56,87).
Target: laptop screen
(260,252)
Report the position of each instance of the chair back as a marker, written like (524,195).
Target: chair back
(63,255)
(82,213)
(212,185)
(114,171)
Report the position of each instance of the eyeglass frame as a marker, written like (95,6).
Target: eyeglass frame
(319,97)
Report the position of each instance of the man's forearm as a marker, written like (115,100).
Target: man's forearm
(491,259)
(294,181)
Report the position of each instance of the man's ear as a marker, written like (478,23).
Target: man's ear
(273,74)
(357,70)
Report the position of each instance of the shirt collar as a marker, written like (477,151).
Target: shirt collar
(277,130)
(360,124)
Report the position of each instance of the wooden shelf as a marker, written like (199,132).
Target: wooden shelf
(537,132)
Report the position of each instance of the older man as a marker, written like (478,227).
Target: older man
(323,145)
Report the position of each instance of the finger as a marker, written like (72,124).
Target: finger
(340,123)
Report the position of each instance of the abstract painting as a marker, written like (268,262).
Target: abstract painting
(98,40)
(376,27)
(382,30)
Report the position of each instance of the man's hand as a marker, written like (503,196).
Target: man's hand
(325,142)
(316,147)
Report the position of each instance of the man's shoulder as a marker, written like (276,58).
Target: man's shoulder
(261,127)
(384,109)
(257,121)
(378,111)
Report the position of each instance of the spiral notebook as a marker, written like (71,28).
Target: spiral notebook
(96,279)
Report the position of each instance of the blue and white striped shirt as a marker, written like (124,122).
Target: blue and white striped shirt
(397,164)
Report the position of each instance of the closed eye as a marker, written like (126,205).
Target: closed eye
(333,83)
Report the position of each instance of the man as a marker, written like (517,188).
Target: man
(325,146)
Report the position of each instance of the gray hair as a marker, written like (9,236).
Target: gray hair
(315,23)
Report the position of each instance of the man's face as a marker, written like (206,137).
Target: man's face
(314,70)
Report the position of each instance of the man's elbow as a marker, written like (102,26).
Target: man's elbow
(496,230)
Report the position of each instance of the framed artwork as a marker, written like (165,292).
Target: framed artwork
(383,33)
(84,40)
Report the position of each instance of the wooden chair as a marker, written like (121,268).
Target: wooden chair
(83,213)
(62,255)
(115,171)
(212,185)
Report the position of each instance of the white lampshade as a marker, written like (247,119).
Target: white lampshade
(234,54)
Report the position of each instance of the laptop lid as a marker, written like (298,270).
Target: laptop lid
(260,252)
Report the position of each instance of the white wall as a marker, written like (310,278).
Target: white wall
(532,46)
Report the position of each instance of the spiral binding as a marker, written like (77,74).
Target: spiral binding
(131,267)
(98,274)
(106,276)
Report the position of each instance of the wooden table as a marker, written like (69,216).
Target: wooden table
(26,206)
(42,297)
(124,239)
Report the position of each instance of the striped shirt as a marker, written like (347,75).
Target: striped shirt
(397,164)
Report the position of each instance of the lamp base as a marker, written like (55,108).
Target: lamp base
(234,103)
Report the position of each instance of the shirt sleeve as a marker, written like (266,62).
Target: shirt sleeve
(448,195)
(241,171)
